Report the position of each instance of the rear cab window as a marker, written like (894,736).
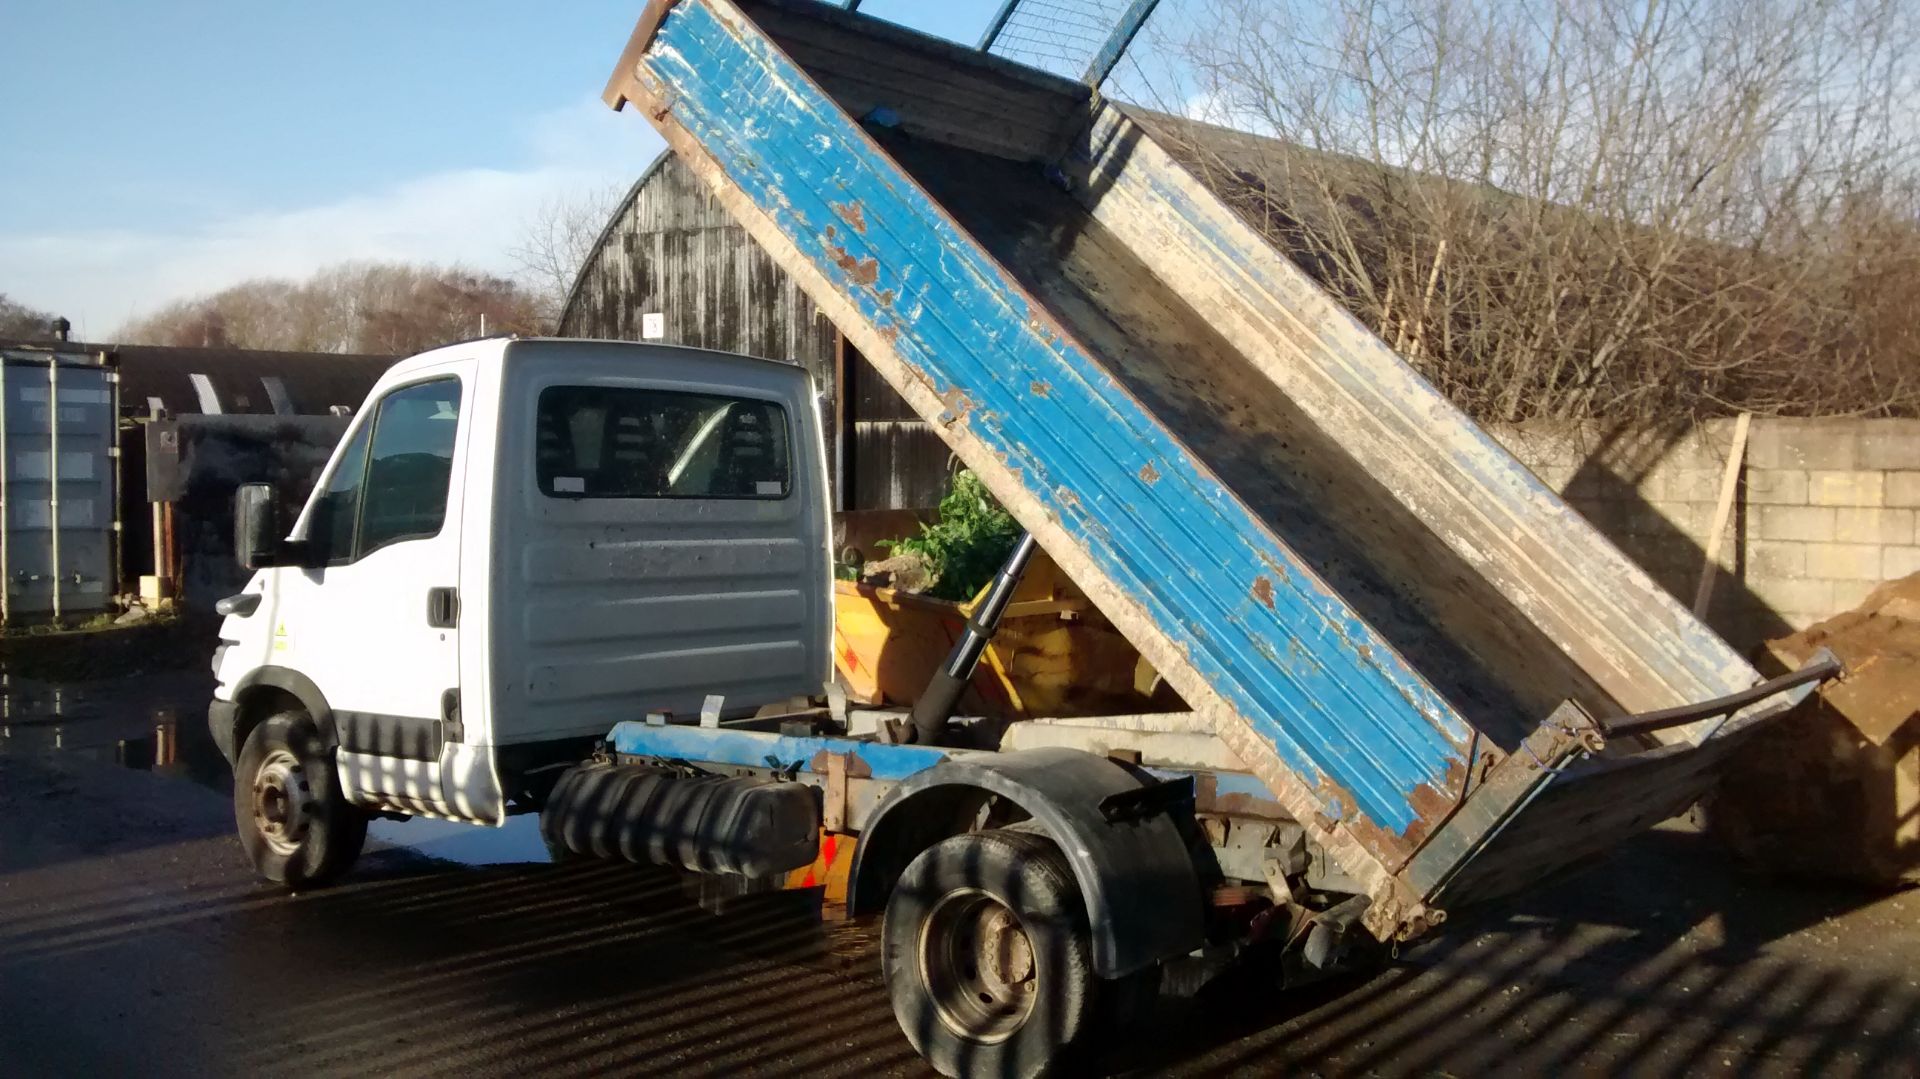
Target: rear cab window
(628,442)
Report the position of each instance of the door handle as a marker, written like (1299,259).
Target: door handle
(443,607)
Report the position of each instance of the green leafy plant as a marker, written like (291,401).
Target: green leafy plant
(970,542)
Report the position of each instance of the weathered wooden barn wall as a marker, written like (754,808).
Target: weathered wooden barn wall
(893,459)
(671,250)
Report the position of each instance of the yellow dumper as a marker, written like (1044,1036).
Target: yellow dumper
(1053,655)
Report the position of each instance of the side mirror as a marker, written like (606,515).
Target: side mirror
(257,536)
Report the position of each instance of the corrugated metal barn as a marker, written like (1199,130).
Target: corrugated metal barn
(673,266)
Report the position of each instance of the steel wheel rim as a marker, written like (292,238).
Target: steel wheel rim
(283,804)
(978,967)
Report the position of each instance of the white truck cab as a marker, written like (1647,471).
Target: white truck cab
(517,544)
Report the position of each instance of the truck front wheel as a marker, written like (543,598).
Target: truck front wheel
(987,955)
(293,819)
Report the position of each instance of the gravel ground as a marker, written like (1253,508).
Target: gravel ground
(133,938)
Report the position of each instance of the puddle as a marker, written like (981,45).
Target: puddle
(518,840)
(158,723)
(155,724)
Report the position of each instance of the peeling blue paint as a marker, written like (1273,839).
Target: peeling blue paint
(1351,713)
(763,749)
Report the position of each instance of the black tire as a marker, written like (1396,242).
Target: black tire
(293,819)
(1000,897)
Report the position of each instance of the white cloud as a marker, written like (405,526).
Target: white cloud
(101,278)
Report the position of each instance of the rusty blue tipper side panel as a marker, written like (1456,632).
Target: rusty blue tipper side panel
(1400,631)
(1282,651)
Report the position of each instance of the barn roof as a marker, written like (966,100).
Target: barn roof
(231,380)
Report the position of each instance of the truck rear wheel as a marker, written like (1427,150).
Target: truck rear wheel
(987,955)
(293,819)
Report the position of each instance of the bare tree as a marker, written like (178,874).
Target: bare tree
(556,241)
(366,307)
(17,320)
(1572,208)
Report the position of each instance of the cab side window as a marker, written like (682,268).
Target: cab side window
(410,465)
(393,479)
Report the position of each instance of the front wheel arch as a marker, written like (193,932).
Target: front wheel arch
(266,691)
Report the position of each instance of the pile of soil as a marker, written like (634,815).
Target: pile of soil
(1834,790)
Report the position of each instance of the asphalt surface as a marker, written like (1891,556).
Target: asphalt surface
(134,939)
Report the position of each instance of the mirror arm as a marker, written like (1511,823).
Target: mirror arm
(298,553)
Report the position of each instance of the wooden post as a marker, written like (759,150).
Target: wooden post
(1722,510)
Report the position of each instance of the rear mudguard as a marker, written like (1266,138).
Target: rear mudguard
(1136,875)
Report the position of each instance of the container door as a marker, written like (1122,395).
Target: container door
(56,490)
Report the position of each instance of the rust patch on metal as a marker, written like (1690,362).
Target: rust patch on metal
(1263,591)
(1432,806)
(861,271)
(1149,474)
(890,334)
(1039,388)
(886,297)
(850,213)
(1279,569)
(857,767)
(957,402)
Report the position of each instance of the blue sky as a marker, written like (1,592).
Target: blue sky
(153,151)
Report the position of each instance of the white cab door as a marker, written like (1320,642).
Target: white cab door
(375,622)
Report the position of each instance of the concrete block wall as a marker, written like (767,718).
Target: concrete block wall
(1825,509)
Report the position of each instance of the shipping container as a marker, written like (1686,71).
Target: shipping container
(59,466)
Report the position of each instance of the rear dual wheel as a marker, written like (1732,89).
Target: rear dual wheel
(988,958)
(293,818)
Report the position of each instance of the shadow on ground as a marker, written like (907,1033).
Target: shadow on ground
(1663,962)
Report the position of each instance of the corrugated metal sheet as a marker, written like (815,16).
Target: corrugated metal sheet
(1077,456)
(57,484)
(1337,568)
